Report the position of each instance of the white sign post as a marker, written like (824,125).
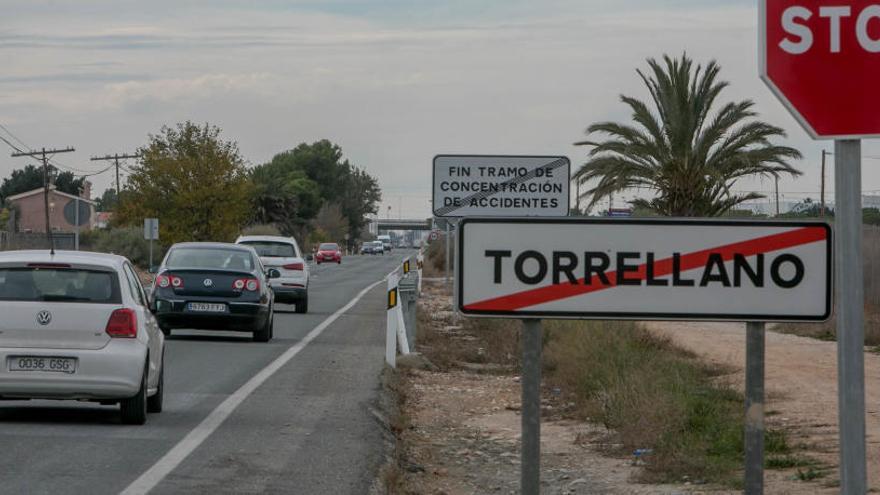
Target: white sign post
(644,269)
(151,233)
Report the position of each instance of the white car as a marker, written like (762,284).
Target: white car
(77,326)
(283,254)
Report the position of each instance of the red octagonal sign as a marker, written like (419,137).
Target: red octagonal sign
(822,59)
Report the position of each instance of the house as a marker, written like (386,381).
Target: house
(31,212)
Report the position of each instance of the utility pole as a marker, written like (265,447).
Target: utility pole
(822,187)
(115,157)
(777,195)
(45,159)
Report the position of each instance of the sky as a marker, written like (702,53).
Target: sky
(392,82)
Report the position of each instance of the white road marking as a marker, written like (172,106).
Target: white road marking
(153,476)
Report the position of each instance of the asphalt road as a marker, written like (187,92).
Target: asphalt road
(307,429)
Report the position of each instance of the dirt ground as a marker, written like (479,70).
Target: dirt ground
(801,385)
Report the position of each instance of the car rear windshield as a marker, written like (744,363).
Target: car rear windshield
(211,258)
(269,249)
(328,247)
(59,285)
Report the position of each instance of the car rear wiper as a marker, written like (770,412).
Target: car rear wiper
(57,298)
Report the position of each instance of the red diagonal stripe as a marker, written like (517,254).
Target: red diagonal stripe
(690,261)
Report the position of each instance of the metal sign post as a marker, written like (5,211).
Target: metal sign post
(448,285)
(850,315)
(530,482)
(754,424)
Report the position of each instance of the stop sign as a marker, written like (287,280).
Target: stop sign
(822,59)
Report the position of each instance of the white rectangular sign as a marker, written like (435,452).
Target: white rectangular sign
(505,186)
(151,229)
(645,269)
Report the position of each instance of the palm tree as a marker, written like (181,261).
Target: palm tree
(689,158)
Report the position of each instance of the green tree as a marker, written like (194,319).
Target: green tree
(293,186)
(31,177)
(688,155)
(193,181)
(107,200)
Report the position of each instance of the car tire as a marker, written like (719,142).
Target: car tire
(133,410)
(302,306)
(166,331)
(154,403)
(264,334)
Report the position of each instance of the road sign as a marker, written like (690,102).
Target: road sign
(644,269)
(151,229)
(483,185)
(822,59)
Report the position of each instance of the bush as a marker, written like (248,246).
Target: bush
(126,241)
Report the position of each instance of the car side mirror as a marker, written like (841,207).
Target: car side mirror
(273,273)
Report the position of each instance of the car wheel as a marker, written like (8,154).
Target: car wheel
(133,411)
(154,403)
(302,306)
(166,331)
(264,334)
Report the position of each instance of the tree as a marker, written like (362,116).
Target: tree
(688,156)
(293,186)
(331,221)
(193,181)
(31,177)
(107,201)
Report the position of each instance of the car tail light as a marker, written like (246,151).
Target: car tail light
(122,324)
(164,281)
(293,266)
(250,284)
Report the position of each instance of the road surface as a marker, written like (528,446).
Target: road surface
(306,429)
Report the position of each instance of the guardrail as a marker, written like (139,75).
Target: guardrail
(404,289)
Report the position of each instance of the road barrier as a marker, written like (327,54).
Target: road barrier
(402,303)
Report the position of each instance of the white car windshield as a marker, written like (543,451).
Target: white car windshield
(271,249)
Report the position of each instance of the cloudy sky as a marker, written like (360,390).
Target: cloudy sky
(392,82)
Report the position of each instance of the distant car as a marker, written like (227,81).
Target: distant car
(329,251)
(373,247)
(386,241)
(77,326)
(284,255)
(214,286)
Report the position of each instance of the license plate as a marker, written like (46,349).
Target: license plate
(206,307)
(39,363)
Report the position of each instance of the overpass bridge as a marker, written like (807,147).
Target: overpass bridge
(385,224)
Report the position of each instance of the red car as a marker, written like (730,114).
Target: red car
(328,252)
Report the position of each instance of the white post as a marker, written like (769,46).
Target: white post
(402,340)
(391,321)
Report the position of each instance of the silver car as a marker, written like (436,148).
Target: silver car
(77,326)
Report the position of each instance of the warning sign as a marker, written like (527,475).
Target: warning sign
(480,185)
(644,269)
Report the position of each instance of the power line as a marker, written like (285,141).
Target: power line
(115,158)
